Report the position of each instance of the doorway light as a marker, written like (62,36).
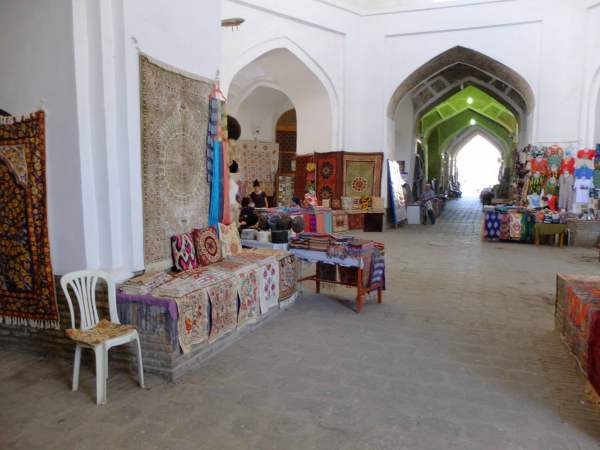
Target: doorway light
(470,100)
(473,122)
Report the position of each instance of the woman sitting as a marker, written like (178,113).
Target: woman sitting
(248,218)
(259,198)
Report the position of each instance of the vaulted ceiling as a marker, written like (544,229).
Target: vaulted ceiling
(471,98)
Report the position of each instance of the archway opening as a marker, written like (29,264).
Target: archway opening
(436,105)
(478,165)
(286,136)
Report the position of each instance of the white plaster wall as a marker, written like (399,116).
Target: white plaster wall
(108,35)
(404,145)
(36,50)
(261,111)
(281,70)
(590,125)
(316,34)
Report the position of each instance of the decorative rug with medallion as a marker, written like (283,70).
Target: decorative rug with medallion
(362,174)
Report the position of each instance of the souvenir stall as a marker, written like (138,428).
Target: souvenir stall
(556,195)
(200,287)
(348,261)
(348,183)
(577,319)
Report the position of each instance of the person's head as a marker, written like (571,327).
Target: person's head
(256,186)
(427,187)
(245,202)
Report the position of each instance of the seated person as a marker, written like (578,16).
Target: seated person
(248,218)
(258,196)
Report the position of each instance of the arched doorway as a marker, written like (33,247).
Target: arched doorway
(282,70)
(286,136)
(283,107)
(478,163)
(449,94)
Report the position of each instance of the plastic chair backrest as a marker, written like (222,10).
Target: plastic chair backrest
(83,284)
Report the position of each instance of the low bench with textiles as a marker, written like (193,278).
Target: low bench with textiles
(219,292)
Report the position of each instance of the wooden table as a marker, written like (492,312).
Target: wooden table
(361,290)
(546,229)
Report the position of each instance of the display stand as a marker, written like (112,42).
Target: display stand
(361,290)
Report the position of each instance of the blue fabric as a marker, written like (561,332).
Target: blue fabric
(216,187)
(584,172)
(328,223)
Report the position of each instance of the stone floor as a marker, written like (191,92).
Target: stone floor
(461,354)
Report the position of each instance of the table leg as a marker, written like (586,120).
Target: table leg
(561,239)
(359,290)
(317,282)
(379,295)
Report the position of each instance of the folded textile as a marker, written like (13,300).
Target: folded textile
(190,281)
(145,283)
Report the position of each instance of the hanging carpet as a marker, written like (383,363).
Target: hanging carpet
(174,113)
(362,174)
(330,180)
(27,292)
(301,178)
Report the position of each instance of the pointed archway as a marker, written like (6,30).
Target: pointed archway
(281,64)
(444,76)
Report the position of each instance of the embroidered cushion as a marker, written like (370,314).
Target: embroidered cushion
(183,251)
(230,240)
(103,331)
(208,247)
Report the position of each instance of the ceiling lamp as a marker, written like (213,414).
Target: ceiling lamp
(233,22)
(470,100)
(473,122)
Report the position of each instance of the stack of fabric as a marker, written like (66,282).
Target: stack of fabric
(144,284)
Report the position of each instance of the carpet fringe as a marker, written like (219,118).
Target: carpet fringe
(23,322)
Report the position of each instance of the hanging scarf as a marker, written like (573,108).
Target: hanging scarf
(216,187)
(211,135)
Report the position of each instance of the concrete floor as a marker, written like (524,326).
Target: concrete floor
(462,354)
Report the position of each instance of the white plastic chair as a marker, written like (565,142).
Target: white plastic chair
(83,284)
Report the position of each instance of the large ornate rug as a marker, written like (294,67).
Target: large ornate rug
(257,161)
(362,174)
(27,294)
(174,112)
(330,178)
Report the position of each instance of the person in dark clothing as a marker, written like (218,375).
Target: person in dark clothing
(259,198)
(426,201)
(247,216)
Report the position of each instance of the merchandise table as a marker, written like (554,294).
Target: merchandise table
(357,262)
(549,229)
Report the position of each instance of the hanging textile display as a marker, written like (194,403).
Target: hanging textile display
(216,187)
(27,291)
(362,174)
(329,175)
(257,161)
(211,135)
(174,114)
(301,180)
(223,135)
(396,192)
